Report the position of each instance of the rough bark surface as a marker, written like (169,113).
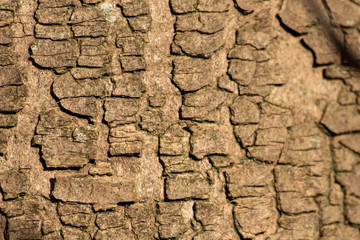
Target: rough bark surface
(178,119)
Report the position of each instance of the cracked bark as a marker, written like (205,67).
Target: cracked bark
(172,119)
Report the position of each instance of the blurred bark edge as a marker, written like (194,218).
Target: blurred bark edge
(334,33)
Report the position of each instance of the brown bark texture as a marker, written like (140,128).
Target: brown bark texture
(179,119)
